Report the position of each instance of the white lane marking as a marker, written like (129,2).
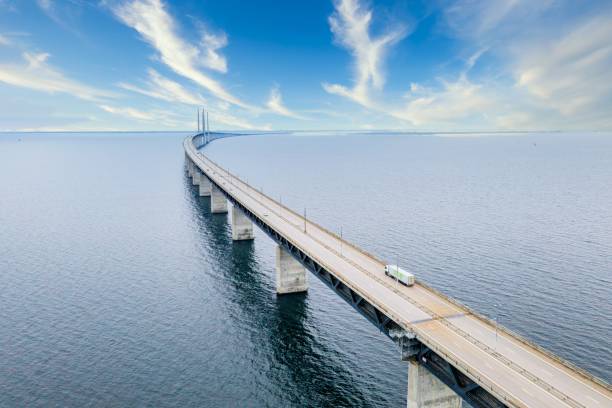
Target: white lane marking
(593,399)
(511,340)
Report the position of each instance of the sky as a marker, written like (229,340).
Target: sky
(431,65)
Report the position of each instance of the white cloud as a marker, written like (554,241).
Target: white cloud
(518,120)
(130,113)
(224,106)
(62,13)
(37,74)
(4,40)
(165,89)
(471,61)
(559,63)
(455,101)
(572,74)
(8,5)
(559,83)
(275,104)
(545,70)
(487,21)
(350,24)
(232,121)
(157,27)
(36,61)
(158,117)
(212,59)
(46,5)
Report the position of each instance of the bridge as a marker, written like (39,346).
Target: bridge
(452,353)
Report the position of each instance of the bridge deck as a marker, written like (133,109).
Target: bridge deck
(515,371)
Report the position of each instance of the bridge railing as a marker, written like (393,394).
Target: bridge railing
(431,343)
(229,176)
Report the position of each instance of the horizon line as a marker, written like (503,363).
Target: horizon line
(317,130)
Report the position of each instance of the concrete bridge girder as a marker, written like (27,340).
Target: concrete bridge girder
(430,384)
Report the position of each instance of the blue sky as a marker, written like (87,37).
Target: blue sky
(447,65)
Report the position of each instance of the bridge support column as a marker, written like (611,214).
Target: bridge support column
(218,203)
(425,390)
(196,176)
(189,167)
(291,275)
(205,185)
(242,226)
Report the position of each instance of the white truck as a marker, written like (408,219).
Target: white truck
(399,274)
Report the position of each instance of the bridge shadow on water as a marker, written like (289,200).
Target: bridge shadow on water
(299,369)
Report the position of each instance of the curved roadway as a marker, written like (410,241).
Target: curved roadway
(518,373)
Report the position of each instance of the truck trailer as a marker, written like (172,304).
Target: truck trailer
(399,274)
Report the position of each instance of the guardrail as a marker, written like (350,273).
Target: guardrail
(260,197)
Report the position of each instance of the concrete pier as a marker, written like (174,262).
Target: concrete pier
(196,176)
(242,226)
(205,186)
(504,370)
(425,390)
(218,203)
(291,275)
(190,168)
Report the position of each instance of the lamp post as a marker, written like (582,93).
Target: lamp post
(204,138)
(496,322)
